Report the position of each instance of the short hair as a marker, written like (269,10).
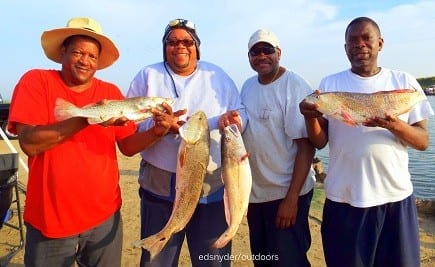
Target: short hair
(69,40)
(362,19)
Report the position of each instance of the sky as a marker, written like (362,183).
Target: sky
(311,34)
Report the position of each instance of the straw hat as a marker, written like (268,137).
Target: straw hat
(52,40)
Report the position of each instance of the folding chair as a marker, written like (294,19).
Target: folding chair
(8,188)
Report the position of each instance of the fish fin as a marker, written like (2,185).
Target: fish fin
(99,119)
(153,244)
(182,157)
(89,105)
(95,120)
(227,207)
(64,110)
(347,119)
(244,157)
(223,240)
(351,123)
(405,90)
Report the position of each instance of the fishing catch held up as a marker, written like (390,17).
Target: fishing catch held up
(356,108)
(237,178)
(192,161)
(135,109)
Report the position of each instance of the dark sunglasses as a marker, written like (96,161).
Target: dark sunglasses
(266,50)
(185,42)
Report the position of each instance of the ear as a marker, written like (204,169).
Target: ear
(278,52)
(381,43)
(62,51)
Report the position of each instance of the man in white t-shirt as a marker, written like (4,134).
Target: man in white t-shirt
(369,217)
(194,85)
(280,157)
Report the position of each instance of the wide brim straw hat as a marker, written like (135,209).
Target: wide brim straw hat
(52,40)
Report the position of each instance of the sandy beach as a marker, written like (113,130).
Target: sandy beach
(240,245)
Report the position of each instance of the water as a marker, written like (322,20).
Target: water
(421,163)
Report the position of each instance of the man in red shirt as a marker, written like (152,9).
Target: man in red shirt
(73,199)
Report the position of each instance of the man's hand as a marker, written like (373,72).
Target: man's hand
(167,120)
(230,117)
(388,122)
(309,110)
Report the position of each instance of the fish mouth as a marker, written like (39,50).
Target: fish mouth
(232,128)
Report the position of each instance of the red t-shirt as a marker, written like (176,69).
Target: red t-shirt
(73,186)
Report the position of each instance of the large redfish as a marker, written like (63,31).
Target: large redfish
(355,108)
(192,161)
(237,178)
(135,109)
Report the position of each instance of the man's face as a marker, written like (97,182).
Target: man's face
(180,52)
(264,58)
(363,43)
(80,60)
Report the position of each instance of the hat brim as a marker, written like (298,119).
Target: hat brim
(52,40)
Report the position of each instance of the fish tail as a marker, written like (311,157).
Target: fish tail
(154,244)
(63,109)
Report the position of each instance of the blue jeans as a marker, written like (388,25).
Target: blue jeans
(205,226)
(271,246)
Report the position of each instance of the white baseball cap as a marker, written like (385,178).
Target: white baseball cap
(265,36)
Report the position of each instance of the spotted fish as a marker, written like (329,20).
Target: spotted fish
(135,109)
(355,108)
(192,161)
(237,178)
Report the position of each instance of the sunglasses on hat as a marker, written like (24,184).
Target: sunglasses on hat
(266,50)
(181,23)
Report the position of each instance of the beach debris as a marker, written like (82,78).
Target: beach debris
(426,207)
(237,179)
(192,161)
(318,169)
(355,108)
(135,109)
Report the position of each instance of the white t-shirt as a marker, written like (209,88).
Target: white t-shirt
(368,166)
(274,121)
(208,89)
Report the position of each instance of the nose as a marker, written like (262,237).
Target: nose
(359,43)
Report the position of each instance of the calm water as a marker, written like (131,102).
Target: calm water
(421,163)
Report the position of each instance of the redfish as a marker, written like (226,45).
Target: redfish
(192,161)
(135,109)
(237,178)
(356,108)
